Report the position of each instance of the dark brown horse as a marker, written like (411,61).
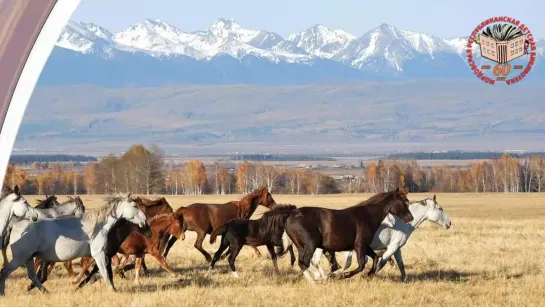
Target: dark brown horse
(266,231)
(352,228)
(205,218)
(139,245)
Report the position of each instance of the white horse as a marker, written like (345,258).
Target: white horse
(73,206)
(13,208)
(68,238)
(390,237)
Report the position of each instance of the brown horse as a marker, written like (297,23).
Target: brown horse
(139,245)
(205,218)
(352,228)
(236,233)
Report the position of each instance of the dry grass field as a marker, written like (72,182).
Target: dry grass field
(491,256)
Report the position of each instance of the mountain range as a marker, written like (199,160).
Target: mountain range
(156,53)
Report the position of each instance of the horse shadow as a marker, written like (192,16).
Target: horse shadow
(455,276)
(181,283)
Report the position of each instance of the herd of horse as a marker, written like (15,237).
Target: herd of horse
(127,226)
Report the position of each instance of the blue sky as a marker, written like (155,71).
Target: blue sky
(444,18)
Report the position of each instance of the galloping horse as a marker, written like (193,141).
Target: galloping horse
(352,228)
(393,234)
(138,245)
(205,218)
(67,238)
(266,231)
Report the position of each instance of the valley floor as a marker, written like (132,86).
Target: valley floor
(491,256)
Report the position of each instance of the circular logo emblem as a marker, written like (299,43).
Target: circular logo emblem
(501,49)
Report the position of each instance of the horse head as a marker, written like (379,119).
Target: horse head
(436,213)
(400,205)
(19,205)
(80,208)
(128,209)
(265,197)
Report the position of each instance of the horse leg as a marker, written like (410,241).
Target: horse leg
(360,254)
(227,253)
(217,255)
(101,261)
(94,270)
(117,263)
(235,249)
(385,257)
(5,244)
(138,267)
(9,268)
(170,243)
(42,272)
(32,275)
(85,264)
(68,267)
(257,252)
(292,255)
(332,258)
(400,264)
(315,264)
(274,259)
(305,256)
(144,267)
(120,268)
(198,245)
(371,253)
(163,263)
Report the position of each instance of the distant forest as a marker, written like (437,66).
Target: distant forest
(269,157)
(459,155)
(29,159)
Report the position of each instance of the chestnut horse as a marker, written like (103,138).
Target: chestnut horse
(138,245)
(236,233)
(352,228)
(205,218)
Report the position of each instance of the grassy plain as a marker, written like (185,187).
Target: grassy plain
(491,256)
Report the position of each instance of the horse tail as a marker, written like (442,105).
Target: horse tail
(218,231)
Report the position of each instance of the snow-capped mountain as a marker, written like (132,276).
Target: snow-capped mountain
(321,41)
(226,52)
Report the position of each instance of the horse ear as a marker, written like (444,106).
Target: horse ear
(16,190)
(434,197)
(129,196)
(397,190)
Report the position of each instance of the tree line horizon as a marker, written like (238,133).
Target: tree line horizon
(143,170)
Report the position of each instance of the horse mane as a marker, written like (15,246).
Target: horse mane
(274,219)
(150,202)
(377,198)
(46,203)
(160,217)
(6,191)
(100,215)
(246,200)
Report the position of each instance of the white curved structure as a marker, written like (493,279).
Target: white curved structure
(29,30)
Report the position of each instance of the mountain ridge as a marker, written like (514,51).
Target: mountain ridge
(154,52)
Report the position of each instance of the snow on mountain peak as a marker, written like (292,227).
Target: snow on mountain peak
(321,41)
(229,28)
(84,37)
